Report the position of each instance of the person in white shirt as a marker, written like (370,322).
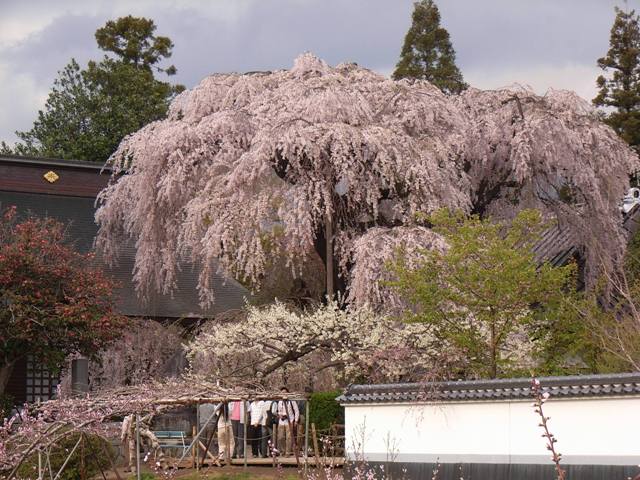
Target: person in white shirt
(254,432)
(288,415)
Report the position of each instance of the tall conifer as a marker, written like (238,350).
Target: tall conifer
(427,52)
(620,88)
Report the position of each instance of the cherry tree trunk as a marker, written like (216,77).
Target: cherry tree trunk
(329,255)
(322,247)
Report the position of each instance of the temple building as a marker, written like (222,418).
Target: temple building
(66,190)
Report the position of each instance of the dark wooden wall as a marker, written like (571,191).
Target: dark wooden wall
(17,386)
(18,176)
(73,181)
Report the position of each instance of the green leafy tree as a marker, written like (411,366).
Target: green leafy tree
(89,111)
(427,52)
(620,89)
(486,297)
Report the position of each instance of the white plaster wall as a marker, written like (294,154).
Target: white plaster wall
(589,431)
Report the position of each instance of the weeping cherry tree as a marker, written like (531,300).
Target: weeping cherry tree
(338,162)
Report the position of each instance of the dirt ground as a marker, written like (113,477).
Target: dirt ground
(241,473)
(218,473)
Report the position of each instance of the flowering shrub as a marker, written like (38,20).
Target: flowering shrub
(54,300)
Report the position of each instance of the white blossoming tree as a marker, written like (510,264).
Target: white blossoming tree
(352,343)
(329,161)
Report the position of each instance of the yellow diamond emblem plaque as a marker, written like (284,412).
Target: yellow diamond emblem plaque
(51,176)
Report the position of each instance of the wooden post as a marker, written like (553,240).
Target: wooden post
(293,428)
(195,448)
(306,435)
(194,432)
(274,440)
(40,476)
(316,450)
(227,435)
(244,428)
(138,475)
(329,254)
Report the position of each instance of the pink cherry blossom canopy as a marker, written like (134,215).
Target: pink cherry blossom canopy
(246,168)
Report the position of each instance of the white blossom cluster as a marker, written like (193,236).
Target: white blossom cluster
(270,337)
(247,168)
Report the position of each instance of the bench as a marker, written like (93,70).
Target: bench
(172,439)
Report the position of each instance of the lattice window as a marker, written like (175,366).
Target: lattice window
(41,384)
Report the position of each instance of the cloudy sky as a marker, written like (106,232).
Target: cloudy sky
(541,43)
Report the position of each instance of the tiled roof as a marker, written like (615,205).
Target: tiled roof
(184,301)
(556,246)
(54,162)
(78,215)
(621,384)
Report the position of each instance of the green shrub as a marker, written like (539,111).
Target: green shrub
(72,471)
(324,411)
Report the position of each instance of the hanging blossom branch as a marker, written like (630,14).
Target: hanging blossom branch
(247,168)
(43,425)
(540,397)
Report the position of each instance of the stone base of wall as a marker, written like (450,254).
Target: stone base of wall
(488,471)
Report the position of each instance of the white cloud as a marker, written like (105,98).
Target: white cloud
(20,97)
(21,19)
(499,42)
(579,78)
(14,29)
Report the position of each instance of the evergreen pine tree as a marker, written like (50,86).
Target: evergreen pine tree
(427,52)
(621,89)
(89,111)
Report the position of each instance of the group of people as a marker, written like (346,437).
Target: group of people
(274,427)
